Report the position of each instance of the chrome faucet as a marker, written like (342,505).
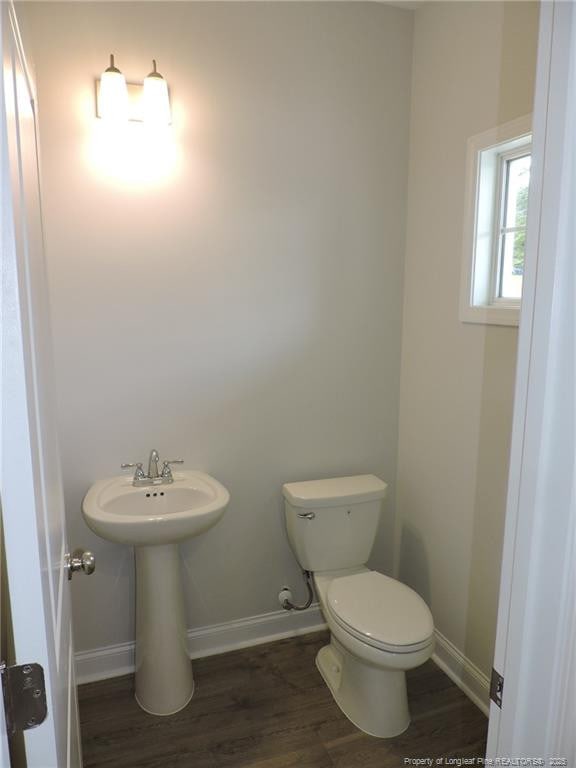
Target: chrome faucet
(153,464)
(154,477)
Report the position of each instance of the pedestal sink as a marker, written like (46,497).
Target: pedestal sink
(154,519)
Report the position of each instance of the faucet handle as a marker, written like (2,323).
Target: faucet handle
(166,469)
(139,473)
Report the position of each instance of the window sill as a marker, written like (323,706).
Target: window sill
(491,314)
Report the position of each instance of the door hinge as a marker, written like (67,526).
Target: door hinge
(24,696)
(496,688)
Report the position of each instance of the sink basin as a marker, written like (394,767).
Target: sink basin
(154,519)
(155,514)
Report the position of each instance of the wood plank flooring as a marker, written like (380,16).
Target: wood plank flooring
(268,707)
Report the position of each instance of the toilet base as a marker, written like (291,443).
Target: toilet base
(372,698)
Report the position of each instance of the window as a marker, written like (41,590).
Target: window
(498,179)
(514,181)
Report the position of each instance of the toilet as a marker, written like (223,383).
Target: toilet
(379,627)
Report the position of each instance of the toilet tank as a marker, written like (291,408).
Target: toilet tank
(332,523)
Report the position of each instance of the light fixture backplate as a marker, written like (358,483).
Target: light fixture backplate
(135,109)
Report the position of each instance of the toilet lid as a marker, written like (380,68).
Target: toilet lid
(381,611)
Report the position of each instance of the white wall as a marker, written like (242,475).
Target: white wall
(473,69)
(240,306)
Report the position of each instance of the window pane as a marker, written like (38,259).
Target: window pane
(517,192)
(510,272)
(513,243)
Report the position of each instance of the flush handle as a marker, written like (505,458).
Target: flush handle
(307,515)
(79,561)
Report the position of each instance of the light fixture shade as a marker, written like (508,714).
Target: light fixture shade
(113,97)
(156,102)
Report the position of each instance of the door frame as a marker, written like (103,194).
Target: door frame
(537,614)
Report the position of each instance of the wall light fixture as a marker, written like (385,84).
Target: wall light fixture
(119,101)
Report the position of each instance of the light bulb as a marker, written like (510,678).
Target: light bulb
(156,104)
(113,98)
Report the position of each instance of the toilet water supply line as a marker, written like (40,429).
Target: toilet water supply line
(286,595)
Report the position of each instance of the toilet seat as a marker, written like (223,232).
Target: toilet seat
(380,612)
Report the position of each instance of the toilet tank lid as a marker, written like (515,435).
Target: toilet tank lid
(334,491)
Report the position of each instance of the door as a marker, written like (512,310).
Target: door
(31,484)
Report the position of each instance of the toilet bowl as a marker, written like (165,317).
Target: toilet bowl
(379,627)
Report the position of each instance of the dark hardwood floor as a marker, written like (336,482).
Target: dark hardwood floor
(268,707)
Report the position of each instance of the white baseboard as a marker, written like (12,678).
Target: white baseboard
(115,660)
(471,680)
(100,663)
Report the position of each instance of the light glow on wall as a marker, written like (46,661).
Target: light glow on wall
(133,153)
(129,153)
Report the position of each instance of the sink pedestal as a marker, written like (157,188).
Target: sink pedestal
(154,518)
(164,682)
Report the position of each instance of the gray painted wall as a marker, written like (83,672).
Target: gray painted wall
(231,294)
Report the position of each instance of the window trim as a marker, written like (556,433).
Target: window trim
(478,300)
